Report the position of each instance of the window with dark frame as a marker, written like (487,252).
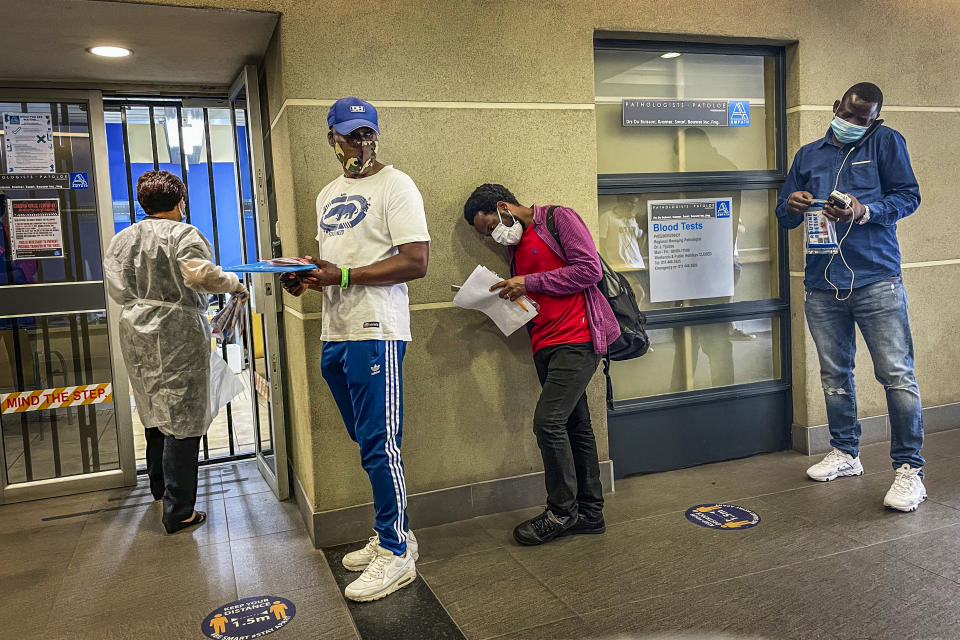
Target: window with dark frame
(720,346)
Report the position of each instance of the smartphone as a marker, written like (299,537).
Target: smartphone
(839,200)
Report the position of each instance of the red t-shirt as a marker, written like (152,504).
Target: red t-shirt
(561,319)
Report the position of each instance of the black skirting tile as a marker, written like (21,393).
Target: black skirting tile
(412,613)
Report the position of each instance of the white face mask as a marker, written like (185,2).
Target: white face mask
(507,236)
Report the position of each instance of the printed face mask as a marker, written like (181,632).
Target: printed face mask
(354,165)
(846,132)
(507,236)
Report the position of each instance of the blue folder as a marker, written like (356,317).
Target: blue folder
(266,267)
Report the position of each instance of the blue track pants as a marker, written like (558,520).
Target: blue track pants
(365,377)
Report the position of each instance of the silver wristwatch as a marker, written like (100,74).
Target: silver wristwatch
(866,215)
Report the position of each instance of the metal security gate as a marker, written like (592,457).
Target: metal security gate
(210,145)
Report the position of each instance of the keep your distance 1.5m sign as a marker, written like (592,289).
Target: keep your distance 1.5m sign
(727,517)
(249,618)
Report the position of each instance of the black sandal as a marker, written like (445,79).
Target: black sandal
(198,519)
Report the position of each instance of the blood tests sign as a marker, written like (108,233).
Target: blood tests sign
(35,228)
(691,249)
(41,399)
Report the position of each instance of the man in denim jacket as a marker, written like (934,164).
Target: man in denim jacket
(861,286)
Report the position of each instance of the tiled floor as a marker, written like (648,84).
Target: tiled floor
(826,561)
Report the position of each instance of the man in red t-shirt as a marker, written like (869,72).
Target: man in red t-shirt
(569,335)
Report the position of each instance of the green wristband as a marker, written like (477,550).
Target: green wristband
(344,277)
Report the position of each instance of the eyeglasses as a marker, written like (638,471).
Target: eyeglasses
(360,135)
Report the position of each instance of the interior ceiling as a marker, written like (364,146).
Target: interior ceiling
(46,41)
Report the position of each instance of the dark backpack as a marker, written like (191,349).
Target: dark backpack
(633,341)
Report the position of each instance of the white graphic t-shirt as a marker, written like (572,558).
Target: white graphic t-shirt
(361,221)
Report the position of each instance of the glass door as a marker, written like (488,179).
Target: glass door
(263,330)
(60,430)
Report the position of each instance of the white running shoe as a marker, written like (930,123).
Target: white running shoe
(359,559)
(385,574)
(907,491)
(834,465)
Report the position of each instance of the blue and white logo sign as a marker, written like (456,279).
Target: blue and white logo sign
(722,516)
(248,618)
(738,113)
(723,209)
(342,213)
(79,181)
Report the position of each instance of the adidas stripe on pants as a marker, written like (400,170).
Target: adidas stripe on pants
(365,377)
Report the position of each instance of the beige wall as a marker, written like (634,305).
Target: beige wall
(469,392)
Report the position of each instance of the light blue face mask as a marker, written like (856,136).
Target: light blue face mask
(846,132)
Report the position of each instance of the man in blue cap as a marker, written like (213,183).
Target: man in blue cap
(372,232)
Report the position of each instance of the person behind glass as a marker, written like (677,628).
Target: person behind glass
(870,164)
(569,335)
(160,271)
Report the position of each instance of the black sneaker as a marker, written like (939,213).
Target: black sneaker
(541,529)
(586,526)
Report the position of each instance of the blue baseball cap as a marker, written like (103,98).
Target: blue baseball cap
(349,114)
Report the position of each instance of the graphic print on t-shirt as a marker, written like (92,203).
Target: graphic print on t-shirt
(363,221)
(342,213)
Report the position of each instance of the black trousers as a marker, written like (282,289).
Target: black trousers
(172,468)
(564,433)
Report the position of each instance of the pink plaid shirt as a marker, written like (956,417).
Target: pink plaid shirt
(582,272)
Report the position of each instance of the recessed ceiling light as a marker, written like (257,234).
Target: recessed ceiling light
(672,54)
(110,52)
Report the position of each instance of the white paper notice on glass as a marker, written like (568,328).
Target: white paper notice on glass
(691,248)
(29,142)
(508,315)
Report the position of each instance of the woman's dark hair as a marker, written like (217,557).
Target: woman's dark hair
(485,198)
(159,191)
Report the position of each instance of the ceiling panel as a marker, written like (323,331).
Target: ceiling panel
(46,41)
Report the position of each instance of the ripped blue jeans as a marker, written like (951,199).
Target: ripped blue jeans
(880,310)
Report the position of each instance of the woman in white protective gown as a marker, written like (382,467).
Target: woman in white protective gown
(160,271)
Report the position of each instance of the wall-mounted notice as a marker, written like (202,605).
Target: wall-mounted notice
(35,229)
(664,112)
(691,249)
(29,142)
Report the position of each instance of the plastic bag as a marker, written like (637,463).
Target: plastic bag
(821,232)
(224,384)
(229,319)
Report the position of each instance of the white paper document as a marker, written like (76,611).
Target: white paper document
(29,142)
(508,315)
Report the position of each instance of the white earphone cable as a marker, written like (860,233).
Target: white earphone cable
(853,275)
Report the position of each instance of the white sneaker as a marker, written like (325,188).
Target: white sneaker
(834,465)
(385,574)
(359,559)
(907,491)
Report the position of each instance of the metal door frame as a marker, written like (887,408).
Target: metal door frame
(126,475)
(120,105)
(266,286)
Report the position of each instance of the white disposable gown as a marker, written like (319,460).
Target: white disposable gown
(160,272)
